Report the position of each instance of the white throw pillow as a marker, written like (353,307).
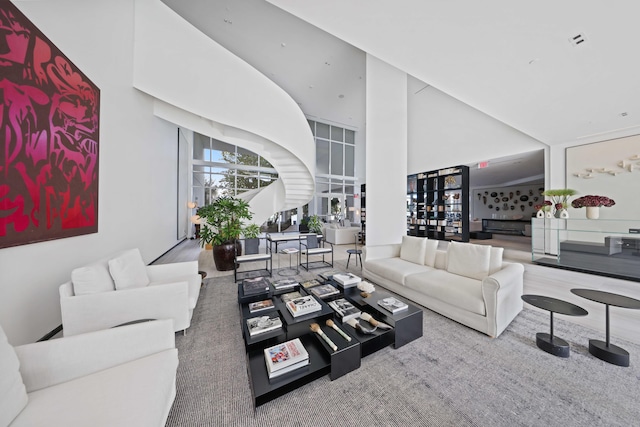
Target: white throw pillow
(128,270)
(468,260)
(13,395)
(495,262)
(413,249)
(92,279)
(431,248)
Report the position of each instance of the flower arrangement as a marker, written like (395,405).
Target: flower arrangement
(560,197)
(544,207)
(592,201)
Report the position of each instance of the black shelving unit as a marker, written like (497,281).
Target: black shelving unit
(438,204)
(363,212)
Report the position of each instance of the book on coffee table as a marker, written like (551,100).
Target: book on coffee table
(303,305)
(324,291)
(257,306)
(255,285)
(285,357)
(261,324)
(345,309)
(347,280)
(329,274)
(392,304)
(310,283)
(291,295)
(285,284)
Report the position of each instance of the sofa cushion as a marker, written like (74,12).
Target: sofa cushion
(394,269)
(495,260)
(138,393)
(430,251)
(190,279)
(452,289)
(13,395)
(128,270)
(92,279)
(468,260)
(413,249)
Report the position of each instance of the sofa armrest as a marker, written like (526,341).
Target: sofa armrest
(47,363)
(93,312)
(382,251)
(502,293)
(158,272)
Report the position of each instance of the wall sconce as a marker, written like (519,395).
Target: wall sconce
(192,205)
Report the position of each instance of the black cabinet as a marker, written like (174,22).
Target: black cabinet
(438,204)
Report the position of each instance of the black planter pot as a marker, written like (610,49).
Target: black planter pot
(224,255)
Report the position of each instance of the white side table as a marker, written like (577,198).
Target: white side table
(289,271)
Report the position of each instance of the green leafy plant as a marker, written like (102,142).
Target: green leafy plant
(314,224)
(251,231)
(222,220)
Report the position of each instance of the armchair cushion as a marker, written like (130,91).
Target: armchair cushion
(13,395)
(128,270)
(92,279)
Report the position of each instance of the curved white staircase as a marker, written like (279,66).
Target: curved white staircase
(199,85)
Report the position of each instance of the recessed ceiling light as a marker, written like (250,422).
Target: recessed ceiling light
(625,114)
(310,86)
(341,96)
(283,44)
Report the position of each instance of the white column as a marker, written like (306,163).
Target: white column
(386,152)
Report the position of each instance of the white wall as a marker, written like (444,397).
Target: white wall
(137,175)
(446,132)
(386,152)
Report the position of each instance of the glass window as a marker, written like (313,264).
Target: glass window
(312,125)
(200,144)
(322,130)
(222,152)
(322,157)
(336,159)
(246,157)
(322,186)
(349,136)
(349,160)
(265,163)
(337,134)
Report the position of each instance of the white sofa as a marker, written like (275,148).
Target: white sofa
(340,235)
(123,376)
(467,283)
(121,288)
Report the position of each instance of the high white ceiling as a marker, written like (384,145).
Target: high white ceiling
(516,65)
(515,61)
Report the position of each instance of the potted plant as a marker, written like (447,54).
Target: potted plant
(221,227)
(593,204)
(314,224)
(560,200)
(251,242)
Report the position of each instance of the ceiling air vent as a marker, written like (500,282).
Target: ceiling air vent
(578,39)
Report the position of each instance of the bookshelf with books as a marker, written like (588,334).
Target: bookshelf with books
(438,204)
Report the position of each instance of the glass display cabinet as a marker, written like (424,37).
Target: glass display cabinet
(607,247)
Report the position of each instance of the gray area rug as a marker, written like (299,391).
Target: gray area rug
(452,376)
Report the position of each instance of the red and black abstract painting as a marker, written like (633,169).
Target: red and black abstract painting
(49,135)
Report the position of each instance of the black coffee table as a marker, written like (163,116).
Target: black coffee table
(548,342)
(604,350)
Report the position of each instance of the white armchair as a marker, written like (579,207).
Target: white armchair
(123,376)
(121,289)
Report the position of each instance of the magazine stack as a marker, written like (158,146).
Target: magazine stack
(347,280)
(303,305)
(285,357)
(262,324)
(345,309)
(257,306)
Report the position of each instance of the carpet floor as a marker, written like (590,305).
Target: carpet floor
(452,376)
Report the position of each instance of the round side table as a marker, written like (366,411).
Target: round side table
(604,350)
(548,342)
